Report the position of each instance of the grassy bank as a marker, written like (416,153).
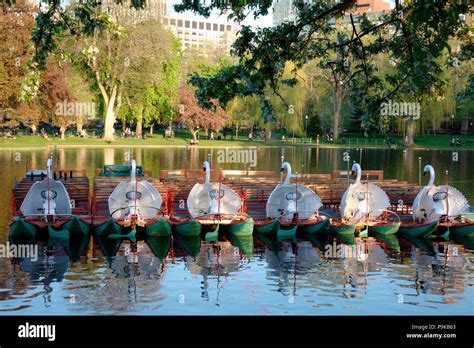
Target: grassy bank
(183,139)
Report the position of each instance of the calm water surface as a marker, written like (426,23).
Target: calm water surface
(251,276)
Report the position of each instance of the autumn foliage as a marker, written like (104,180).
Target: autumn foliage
(195,117)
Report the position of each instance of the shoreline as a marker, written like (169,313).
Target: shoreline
(36,143)
(227,145)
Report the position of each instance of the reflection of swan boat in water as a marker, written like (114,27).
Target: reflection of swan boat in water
(50,266)
(365,205)
(213,205)
(133,206)
(292,206)
(440,270)
(215,259)
(445,204)
(47,207)
(138,259)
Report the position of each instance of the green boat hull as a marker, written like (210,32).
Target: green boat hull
(344,233)
(161,228)
(244,243)
(190,244)
(319,228)
(390,239)
(242,229)
(107,228)
(269,229)
(20,229)
(130,235)
(61,234)
(385,229)
(466,241)
(109,247)
(192,228)
(342,229)
(159,245)
(271,242)
(418,231)
(464,231)
(289,233)
(76,228)
(212,236)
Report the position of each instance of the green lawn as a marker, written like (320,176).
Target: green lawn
(183,138)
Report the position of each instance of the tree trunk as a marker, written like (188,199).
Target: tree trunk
(139,127)
(110,116)
(109,125)
(79,126)
(268,134)
(337,101)
(62,130)
(411,127)
(33,129)
(124,126)
(194,133)
(151,128)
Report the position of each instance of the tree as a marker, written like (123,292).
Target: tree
(195,117)
(151,90)
(414,35)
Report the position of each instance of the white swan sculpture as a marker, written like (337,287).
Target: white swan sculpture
(287,199)
(210,199)
(134,198)
(361,200)
(47,197)
(434,201)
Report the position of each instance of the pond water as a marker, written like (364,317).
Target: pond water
(252,276)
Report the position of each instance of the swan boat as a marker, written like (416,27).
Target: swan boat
(292,206)
(134,206)
(443,205)
(212,205)
(47,207)
(365,204)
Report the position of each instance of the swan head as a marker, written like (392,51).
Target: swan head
(356,170)
(287,166)
(429,169)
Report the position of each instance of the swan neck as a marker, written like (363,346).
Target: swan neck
(359,172)
(208,172)
(49,165)
(133,171)
(287,166)
(432,176)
